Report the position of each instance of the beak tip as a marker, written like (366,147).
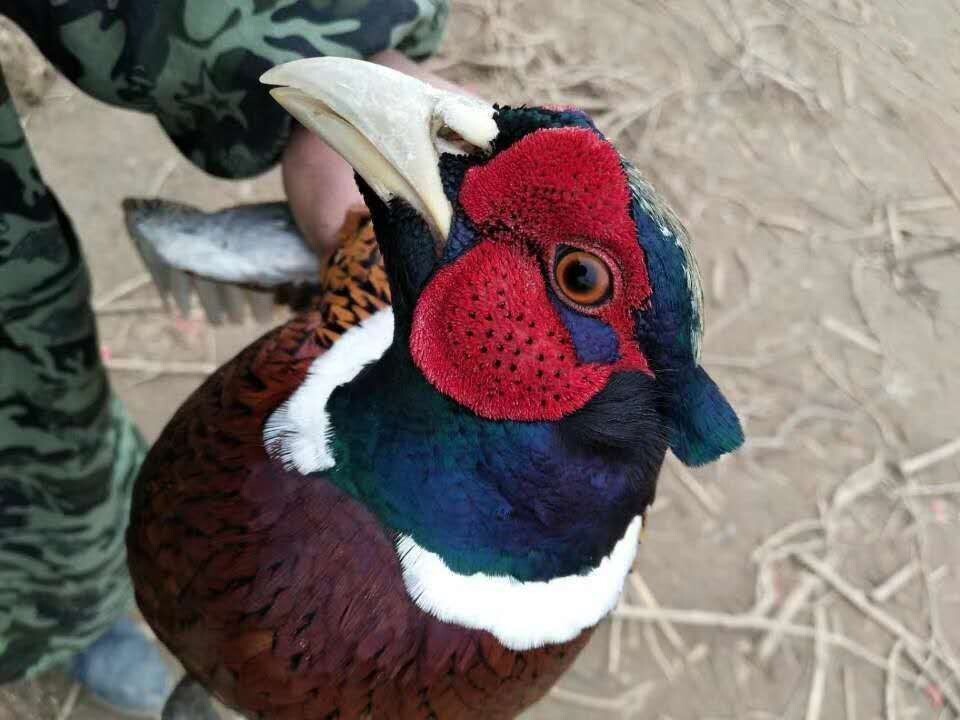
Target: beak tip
(269,77)
(293,72)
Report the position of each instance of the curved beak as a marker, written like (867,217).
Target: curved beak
(389,126)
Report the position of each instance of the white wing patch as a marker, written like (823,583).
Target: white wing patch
(521,615)
(298,432)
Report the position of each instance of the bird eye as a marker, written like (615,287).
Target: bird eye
(583,278)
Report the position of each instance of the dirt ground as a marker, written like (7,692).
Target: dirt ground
(811,148)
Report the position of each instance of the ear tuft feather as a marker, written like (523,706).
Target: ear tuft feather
(706,426)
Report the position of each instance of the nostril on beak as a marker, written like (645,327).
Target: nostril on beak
(452,142)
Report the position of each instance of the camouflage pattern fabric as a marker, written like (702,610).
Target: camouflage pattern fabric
(68,451)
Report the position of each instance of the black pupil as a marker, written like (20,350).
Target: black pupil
(580,278)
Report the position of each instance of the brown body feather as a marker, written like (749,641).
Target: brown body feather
(279,592)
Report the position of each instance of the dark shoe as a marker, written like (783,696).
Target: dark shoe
(125,671)
(190,701)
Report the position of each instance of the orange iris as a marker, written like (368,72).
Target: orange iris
(582,277)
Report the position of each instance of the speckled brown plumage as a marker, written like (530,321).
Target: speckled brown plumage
(355,284)
(278,591)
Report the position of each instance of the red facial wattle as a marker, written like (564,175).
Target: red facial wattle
(491,330)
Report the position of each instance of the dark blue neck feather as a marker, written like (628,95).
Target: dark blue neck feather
(528,500)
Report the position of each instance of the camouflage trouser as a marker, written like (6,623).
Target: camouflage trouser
(68,452)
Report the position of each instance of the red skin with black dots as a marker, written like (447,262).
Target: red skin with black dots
(486,332)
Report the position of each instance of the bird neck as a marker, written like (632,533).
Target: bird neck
(501,498)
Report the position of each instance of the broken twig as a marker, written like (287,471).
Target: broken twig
(819,681)
(911,466)
(893,584)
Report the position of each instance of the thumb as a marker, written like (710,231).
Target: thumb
(320,188)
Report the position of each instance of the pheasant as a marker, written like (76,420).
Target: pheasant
(418,498)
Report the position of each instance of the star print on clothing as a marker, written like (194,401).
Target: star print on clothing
(205,96)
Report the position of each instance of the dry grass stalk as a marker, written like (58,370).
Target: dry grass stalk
(914,491)
(69,702)
(938,641)
(927,204)
(614,647)
(847,677)
(849,694)
(623,117)
(753,623)
(795,602)
(947,183)
(896,582)
(155,367)
(861,482)
(749,362)
(918,463)
(164,173)
(786,222)
(785,551)
(913,645)
(746,267)
(699,653)
(785,534)
(826,365)
(633,699)
(718,283)
(649,600)
(819,681)
(858,598)
(848,80)
(921,256)
(693,486)
(890,691)
(124,308)
(667,667)
(896,243)
(822,360)
(764,591)
(936,682)
(790,425)
(868,232)
(927,231)
(120,291)
(858,338)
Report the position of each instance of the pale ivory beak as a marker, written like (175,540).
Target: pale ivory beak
(389,126)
